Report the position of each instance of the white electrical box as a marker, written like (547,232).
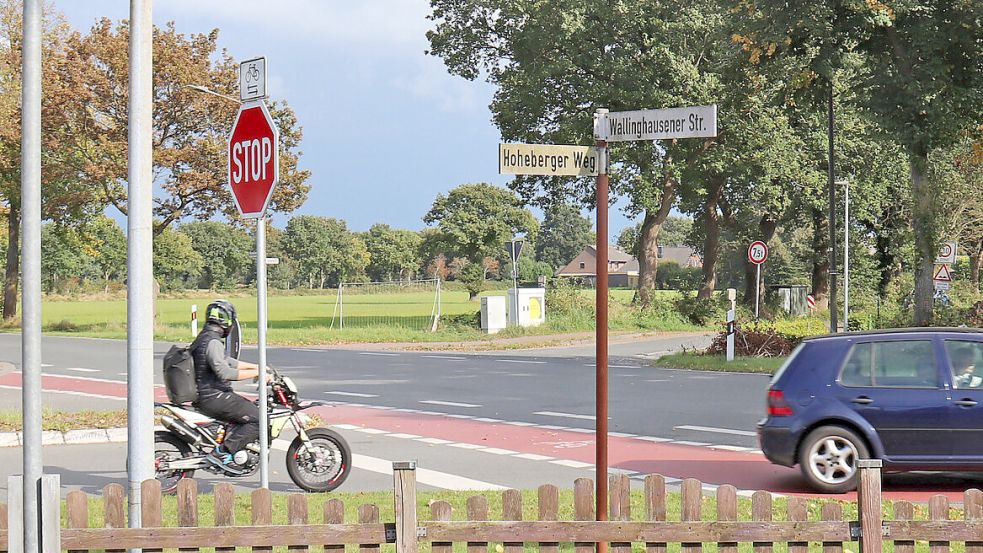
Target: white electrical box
(492,313)
(531,306)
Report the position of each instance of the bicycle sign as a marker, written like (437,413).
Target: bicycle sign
(252,79)
(757,252)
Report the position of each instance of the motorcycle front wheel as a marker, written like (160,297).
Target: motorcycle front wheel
(322,463)
(168,447)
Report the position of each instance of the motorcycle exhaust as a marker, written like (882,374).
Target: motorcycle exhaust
(181,430)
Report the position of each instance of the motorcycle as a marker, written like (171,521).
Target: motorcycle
(318,459)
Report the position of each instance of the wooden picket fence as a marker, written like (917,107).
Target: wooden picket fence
(331,533)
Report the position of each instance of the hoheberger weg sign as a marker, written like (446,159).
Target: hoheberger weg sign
(254,163)
(548,160)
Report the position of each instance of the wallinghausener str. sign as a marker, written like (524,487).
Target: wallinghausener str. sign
(657,124)
(548,160)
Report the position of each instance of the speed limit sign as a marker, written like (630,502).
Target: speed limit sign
(757,252)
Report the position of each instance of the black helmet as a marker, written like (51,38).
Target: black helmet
(222,313)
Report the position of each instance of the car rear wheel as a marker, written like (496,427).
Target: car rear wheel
(828,458)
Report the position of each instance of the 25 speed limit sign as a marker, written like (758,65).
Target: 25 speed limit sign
(757,252)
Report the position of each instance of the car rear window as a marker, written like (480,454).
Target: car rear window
(891,364)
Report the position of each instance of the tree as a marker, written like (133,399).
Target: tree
(675,233)
(564,234)
(325,250)
(923,84)
(175,260)
(64,256)
(190,129)
(63,197)
(224,250)
(475,220)
(394,254)
(107,245)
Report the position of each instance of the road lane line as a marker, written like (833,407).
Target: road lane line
(405,436)
(449,357)
(378,353)
(684,442)
(533,457)
(716,430)
(371,431)
(429,477)
(566,415)
(521,361)
(732,448)
(82,370)
(434,441)
(571,464)
(346,426)
(467,446)
(70,392)
(448,403)
(349,394)
(499,451)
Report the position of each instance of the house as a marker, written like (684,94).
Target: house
(622,267)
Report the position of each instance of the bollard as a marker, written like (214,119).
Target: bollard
(194,319)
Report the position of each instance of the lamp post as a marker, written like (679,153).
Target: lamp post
(846,254)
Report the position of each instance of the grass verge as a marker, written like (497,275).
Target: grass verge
(704,362)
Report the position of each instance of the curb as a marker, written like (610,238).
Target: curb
(72,437)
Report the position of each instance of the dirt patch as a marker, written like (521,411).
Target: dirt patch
(519,342)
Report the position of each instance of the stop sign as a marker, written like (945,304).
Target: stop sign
(254,163)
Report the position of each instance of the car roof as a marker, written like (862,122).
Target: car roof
(898,331)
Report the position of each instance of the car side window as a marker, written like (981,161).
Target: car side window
(893,364)
(964,357)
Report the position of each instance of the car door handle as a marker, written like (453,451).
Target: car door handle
(862,400)
(965,402)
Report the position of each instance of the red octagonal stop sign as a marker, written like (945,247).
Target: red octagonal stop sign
(254,163)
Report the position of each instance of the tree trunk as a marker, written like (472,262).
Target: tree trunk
(13,263)
(767,227)
(925,240)
(975,261)
(711,242)
(648,243)
(820,259)
(885,263)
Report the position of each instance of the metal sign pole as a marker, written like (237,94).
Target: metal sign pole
(140,282)
(757,289)
(31,272)
(846,258)
(601,332)
(264,423)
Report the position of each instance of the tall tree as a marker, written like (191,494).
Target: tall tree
(475,220)
(394,253)
(224,250)
(107,244)
(564,234)
(190,128)
(923,85)
(325,250)
(175,260)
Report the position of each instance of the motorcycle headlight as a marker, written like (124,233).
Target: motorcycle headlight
(290,385)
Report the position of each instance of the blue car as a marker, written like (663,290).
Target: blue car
(910,397)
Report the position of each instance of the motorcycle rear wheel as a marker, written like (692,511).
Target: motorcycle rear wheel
(321,464)
(168,447)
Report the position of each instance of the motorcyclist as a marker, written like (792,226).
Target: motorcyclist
(213,373)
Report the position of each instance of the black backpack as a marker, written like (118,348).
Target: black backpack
(179,374)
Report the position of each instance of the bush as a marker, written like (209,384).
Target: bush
(752,343)
(701,312)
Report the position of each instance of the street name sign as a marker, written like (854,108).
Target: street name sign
(254,163)
(548,160)
(657,124)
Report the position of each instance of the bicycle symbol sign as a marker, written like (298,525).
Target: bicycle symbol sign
(252,79)
(757,252)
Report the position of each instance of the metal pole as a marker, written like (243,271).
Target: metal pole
(140,275)
(846,258)
(832,217)
(515,284)
(601,332)
(264,423)
(31,271)
(757,289)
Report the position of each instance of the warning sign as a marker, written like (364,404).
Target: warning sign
(942,273)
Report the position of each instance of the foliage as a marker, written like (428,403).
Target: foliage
(475,220)
(564,234)
(106,243)
(701,311)
(325,250)
(675,232)
(705,362)
(175,260)
(394,254)
(472,275)
(224,250)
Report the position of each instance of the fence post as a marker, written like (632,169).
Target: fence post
(49,497)
(404,485)
(869,506)
(15,514)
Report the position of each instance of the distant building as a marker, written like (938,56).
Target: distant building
(622,267)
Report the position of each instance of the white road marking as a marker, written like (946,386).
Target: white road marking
(653,439)
(69,392)
(309,350)
(371,430)
(346,426)
(684,442)
(518,423)
(448,403)
(621,435)
(432,413)
(499,451)
(82,370)
(452,358)
(581,430)
(625,367)
(518,374)
(551,427)
(46,365)
(349,394)
(378,353)
(488,420)
(433,478)
(658,380)
(526,361)
(467,446)
(533,457)
(459,416)
(717,430)
(566,415)
(435,441)
(731,448)
(700,377)
(405,436)
(572,464)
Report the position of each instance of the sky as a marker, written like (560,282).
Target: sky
(386,127)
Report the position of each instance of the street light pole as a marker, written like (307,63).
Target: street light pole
(833,327)
(846,254)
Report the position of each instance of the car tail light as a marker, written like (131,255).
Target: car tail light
(777,406)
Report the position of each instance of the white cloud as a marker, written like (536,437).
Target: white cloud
(431,81)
